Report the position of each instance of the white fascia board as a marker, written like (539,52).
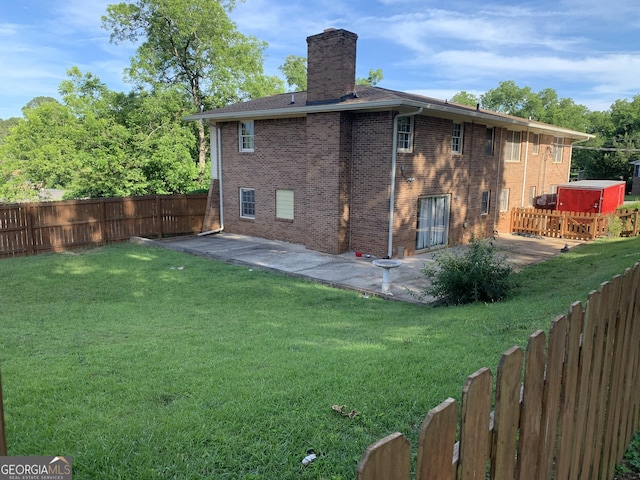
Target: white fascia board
(440,110)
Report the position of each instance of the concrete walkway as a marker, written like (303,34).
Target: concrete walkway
(346,270)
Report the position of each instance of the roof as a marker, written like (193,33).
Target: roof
(591,184)
(367,98)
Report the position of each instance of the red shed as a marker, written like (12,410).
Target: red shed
(591,196)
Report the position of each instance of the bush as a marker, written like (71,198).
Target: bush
(479,274)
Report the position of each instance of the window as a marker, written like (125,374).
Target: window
(532,195)
(245,135)
(536,143)
(456,138)
(284,204)
(486,198)
(553,188)
(247,203)
(433,222)
(488,143)
(558,144)
(512,148)
(405,134)
(504,200)
(636,170)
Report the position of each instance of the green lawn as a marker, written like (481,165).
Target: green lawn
(140,369)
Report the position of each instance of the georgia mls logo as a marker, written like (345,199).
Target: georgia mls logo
(35,468)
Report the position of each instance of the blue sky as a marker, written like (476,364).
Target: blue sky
(587,50)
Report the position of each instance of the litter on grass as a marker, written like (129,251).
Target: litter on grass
(342,410)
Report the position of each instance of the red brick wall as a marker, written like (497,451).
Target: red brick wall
(278,162)
(328,169)
(331,65)
(372,143)
(339,168)
(533,169)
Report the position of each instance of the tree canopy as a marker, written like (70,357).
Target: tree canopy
(192,45)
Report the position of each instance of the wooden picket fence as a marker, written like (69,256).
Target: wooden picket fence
(32,228)
(570,225)
(570,415)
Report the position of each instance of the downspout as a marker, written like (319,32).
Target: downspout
(496,206)
(394,157)
(524,174)
(216,160)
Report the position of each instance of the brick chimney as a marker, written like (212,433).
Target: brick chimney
(331,65)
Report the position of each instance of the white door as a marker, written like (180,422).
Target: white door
(433,222)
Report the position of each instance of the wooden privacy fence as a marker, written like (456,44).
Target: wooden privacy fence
(570,415)
(574,225)
(32,228)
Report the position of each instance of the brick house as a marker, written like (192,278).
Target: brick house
(342,167)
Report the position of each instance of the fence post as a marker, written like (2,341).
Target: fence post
(3,438)
(159,215)
(29,227)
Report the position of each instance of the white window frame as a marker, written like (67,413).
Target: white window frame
(404,134)
(246,136)
(247,203)
(457,138)
(532,195)
(504,199)
(485,202)
(284,204)
(512,146)
(489,139)
(558,149)
(536,143)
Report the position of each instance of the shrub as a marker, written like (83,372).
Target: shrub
(614,226)
(479,274)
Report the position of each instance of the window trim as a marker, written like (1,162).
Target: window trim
(243,203)
(536,143)
(504,200)
(485,202)
(250,136)
(408,134)
(558,148)
(510,146)
(459,137)
(489,147)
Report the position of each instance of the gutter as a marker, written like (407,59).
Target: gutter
(216,159)
(381,105)
(394,157)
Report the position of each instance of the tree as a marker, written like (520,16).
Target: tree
(375,77)
(466,98)
(194,45)
(294,70)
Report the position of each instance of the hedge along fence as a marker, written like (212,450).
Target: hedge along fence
(575,225)
(569,415)
(32,228)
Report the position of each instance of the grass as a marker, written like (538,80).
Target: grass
(140,369)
